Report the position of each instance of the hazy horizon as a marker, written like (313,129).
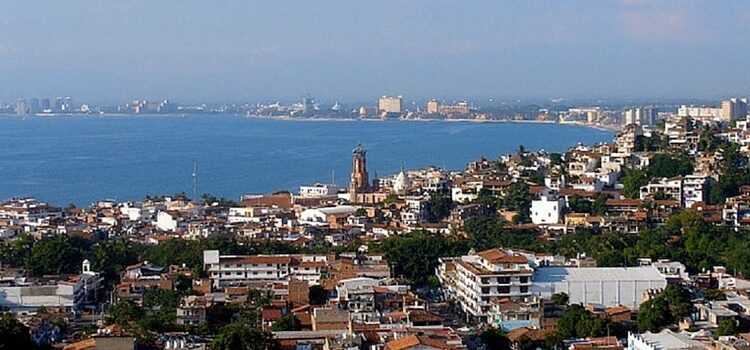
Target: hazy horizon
(107,52)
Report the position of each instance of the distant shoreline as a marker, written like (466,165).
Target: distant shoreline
(611,128)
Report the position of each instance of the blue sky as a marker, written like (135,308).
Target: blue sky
(221,51)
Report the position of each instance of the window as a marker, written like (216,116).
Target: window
(503,290)
(524,289)
(524,279)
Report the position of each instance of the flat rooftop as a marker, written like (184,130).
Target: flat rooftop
(588,274)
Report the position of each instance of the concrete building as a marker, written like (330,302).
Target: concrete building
(328,216)
(546,211)
(702,113)
(643,116)
(476,280)
(606,286)
(319,190)
(734,108)
(664,340)
(390,104)
(238,270)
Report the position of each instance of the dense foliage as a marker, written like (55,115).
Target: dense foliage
(13,334)
(670,306)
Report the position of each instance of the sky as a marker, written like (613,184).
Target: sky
(235,51)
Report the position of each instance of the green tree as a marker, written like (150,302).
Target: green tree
(665,165)
(576,321)
(653,315)
(440,205)
(727,327)
(241,336)
(288,322)
(13,334)
(317,295)
(715,294)
(111,257)
(123,313)
(679,300)
(495,339)
(415,255)
(519,199)
(55,255)
(632,182)
(556,158)
(560,299)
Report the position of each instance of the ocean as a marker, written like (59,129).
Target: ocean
(82,159)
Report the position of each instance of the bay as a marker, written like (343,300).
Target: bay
(83,159)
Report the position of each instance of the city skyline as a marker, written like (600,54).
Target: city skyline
(253,51)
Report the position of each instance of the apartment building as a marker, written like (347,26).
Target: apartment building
(239,270)
(476,280)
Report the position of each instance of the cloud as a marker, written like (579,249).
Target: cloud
(653,24)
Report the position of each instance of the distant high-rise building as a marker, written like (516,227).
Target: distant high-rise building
(390,104)
(34,106)
(433,106)
(58,104)
(643,116)
(308,105)
(67,105)
(733,108)
(45,105)
(22,107)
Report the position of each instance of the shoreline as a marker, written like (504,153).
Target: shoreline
(610,128)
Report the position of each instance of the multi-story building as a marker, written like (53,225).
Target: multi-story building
(644,116)
(237,270)
(734,108)
(702,113)
(626,139)
(695,189)
(546,211)
(28,211)
(476,280)
(319,190)
(390,104)
(669,188)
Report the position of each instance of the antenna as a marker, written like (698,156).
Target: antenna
(195,180)
(333,176)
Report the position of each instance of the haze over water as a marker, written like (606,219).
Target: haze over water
(83,159)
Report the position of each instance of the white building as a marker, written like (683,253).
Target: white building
(251,214)
(19,294)
(28,211)
(170,221)
(323,216)
(546,211)
(390,104)
(695,189)
(702,113)
(669,187)
(664,340)
(237,270)
(640,116)
(474,281)
(319,190)
(607,286)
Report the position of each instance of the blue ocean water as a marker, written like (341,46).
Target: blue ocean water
(83,159)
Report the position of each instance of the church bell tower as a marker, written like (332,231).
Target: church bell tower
(360,181)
